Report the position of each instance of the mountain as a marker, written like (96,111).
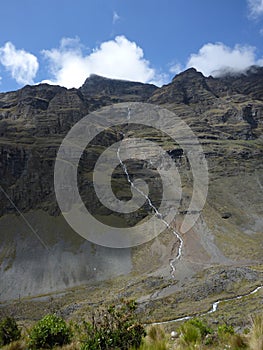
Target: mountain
(222,253)
(116,91)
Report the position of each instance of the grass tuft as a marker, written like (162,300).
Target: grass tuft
(255,336)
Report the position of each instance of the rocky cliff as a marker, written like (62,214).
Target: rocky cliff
(40,253)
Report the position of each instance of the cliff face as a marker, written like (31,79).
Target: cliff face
(225,113)
(116,91)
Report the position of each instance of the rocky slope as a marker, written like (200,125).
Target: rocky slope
(40,253)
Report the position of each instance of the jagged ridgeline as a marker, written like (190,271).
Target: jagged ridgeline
(40,253)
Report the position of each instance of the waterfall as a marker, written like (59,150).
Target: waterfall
(152,206)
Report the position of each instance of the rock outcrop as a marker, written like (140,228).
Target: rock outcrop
(225,113)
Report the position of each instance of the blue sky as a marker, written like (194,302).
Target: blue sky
(64,41)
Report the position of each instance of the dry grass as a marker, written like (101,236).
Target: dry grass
(156,339)
(21,345)
(255,338)
(16,345)
(72,346)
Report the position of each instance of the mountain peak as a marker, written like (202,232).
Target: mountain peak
(117,90)
(95,79)
(188,73)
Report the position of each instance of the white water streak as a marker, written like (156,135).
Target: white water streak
(213,309)
(157,213)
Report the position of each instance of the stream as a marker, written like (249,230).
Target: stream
(213,309)
(157,213)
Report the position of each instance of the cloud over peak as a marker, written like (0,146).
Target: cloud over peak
(22,65)
(118,58)
(216,59)
(71,63)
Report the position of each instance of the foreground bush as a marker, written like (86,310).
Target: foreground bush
(118,328)
(50,331)
(189,334)
(9,331)
(115,328)
(193,332)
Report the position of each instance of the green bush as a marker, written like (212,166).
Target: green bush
(9,331)
(49,332)
(203,328)
(194,331)
(189,334)
(225,330)
(115,328)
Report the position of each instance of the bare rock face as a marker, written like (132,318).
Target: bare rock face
(116,90)
(225,113)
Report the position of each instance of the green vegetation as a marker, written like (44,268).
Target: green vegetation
(156,339)
(189,335)
(115,328)
(119,328)
(201,326)
(49,332)
(225,329)
(194,332)
(9,331)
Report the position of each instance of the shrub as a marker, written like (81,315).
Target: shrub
(189,334)
(115,328)
(9,331)
(225,330)
(194,331)
(203,328)
(50,331)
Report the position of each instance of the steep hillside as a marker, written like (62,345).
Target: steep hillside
(40,253)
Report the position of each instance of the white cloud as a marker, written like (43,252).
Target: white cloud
(215,59)
(176,68)
(255,8)
(115,17)
(118,59)
(22,65)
